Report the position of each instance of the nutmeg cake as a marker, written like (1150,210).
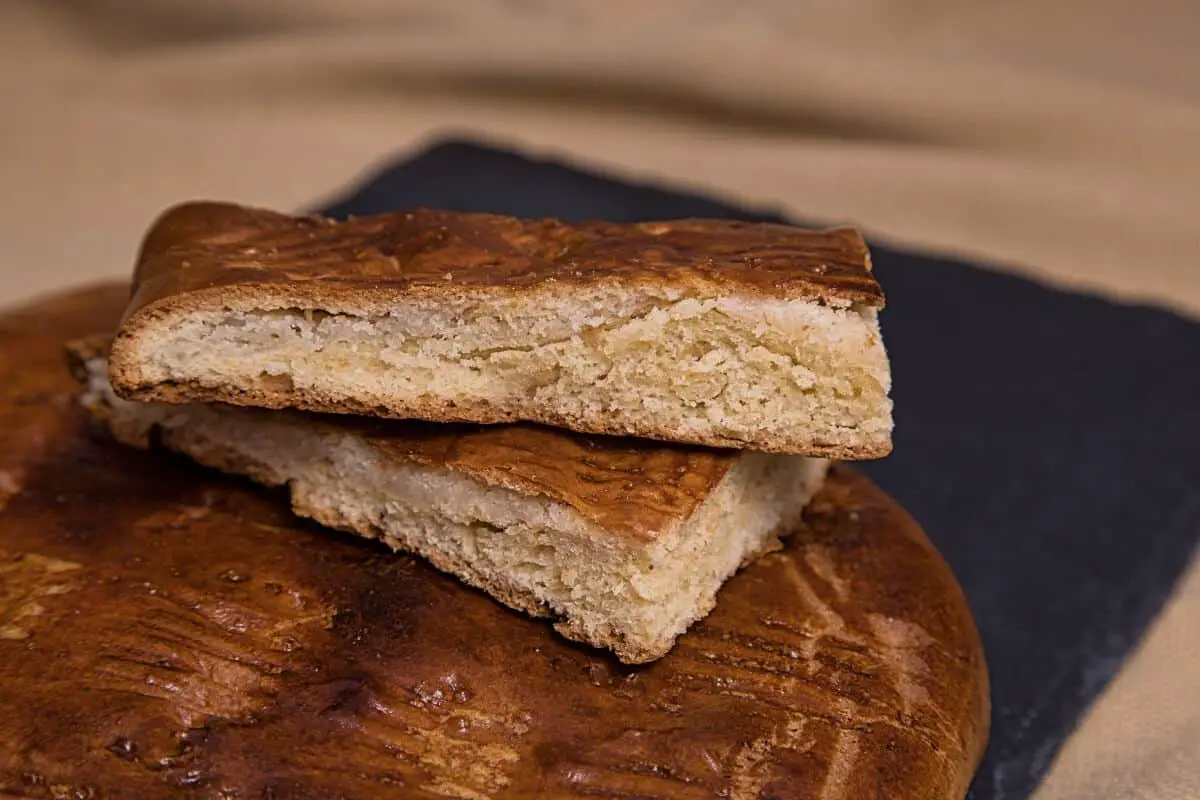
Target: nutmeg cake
(625,543)
(169,632)
(751,336)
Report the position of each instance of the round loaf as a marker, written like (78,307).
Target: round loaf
(169,632)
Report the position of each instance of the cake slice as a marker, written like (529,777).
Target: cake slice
(625,543)
(728,334)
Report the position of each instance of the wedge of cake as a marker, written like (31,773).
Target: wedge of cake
(625,543)
(729,334)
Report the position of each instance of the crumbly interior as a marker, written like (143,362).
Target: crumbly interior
(630,594)
(735,369)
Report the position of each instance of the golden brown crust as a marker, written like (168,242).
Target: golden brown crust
(206,250)
(177,632)
(624,486)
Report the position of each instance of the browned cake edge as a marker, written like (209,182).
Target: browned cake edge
(201,244)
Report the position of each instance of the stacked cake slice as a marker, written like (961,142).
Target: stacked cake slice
(466,387)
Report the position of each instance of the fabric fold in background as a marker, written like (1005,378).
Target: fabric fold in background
(1021,132)
(1057,138)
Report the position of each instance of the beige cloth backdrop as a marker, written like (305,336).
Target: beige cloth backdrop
(1061,139)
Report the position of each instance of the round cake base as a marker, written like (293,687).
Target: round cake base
(167,631)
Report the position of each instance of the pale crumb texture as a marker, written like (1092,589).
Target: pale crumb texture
(631,594)
(772,375)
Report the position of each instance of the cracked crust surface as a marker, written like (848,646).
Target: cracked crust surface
(205,245)
(710,332)
(209,641)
